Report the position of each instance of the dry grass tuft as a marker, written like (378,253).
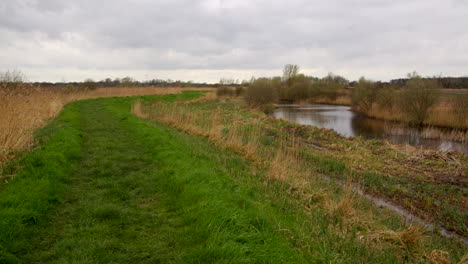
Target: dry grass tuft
(407,239)
(284,167)
(439,257)
(464,260)
(343,210)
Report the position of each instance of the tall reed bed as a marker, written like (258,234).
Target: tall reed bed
(25,108)
(446,113)
(285,158)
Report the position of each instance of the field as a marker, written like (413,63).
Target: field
(191,178)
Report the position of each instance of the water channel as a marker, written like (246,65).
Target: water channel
(347,123)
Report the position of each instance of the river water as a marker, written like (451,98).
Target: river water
(347,123)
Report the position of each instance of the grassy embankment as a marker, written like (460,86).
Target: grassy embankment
(106,186)
(430,184)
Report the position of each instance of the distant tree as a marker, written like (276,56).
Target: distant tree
(334,78)
(245,83)
(127,81)
(227,81)
(89,84)
(289,72)
(328,86)
(12,80)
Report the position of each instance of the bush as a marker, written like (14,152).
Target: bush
(89,85)
(267,108)
(240,90)
(328,87)
(261,92)
(364,96)
(12,80)
(225,91)
(417,97)
(386,98)
(300,86)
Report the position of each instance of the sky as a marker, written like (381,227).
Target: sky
(205,40)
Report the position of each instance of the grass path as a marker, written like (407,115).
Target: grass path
(145,194)
(109,187)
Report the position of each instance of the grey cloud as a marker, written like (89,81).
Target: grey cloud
(384,38)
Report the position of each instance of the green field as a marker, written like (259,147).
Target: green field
(104,186)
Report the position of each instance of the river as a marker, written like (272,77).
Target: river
(347,123)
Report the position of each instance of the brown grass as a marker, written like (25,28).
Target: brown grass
(449,112)
(441,115)
(27,108)
(340,100)
(439,257)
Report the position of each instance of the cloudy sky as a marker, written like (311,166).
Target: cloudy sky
(204,40)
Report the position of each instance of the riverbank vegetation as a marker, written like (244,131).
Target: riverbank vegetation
(417,180)
(307,160)
(418,101)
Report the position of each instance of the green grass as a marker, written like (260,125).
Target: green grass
(106,186)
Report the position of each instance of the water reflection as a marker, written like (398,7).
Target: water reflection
(345,122)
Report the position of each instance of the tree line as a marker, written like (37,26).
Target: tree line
(411,99)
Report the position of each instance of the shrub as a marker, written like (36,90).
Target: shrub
(12,81)
(267,108)
(261,92)
(328,87)
(89,85)
(417,97)
(225,91)
(300,86)
(364,95)
(240,90)
(386,98)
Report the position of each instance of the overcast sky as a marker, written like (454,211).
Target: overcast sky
(70,40)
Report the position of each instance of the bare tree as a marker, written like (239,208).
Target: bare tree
(11,80)
(290,71)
